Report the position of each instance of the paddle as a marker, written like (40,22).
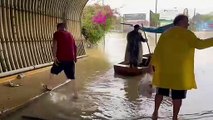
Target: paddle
(146,39)
(149,57)
(127,24)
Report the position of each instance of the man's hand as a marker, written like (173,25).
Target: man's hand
(144,40)
(151,69)
(55,60)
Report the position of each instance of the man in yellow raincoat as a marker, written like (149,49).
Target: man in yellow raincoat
(173,63)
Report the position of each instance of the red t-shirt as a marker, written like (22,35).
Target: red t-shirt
(66,47)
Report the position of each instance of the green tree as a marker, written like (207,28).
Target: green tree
(96,21)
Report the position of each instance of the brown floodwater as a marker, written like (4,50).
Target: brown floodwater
(107,96)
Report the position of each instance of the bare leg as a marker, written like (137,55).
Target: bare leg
(74,88)
(48,84)
(176,108)
(158,100)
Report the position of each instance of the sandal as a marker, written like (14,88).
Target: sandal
(46,88)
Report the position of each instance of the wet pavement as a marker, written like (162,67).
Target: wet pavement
(104,95)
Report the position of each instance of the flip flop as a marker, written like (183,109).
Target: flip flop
(46,88)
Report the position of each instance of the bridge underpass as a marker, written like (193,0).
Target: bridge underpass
(26,28)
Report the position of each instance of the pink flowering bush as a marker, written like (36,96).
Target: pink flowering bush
(96,21)
(100,18)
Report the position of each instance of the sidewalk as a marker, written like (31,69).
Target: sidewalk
(30,87)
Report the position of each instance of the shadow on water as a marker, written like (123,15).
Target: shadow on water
(131,86)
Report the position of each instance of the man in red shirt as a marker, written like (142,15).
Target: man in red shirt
(65,56)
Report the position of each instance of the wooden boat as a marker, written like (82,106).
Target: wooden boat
(125,70)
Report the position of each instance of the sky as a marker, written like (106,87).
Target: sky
(144,6)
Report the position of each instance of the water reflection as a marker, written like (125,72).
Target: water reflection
(140,107)
(120,99)
(131,88)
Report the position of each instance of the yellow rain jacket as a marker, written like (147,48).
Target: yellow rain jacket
(173,59)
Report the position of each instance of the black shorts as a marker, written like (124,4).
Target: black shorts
(175,94)
(68,67)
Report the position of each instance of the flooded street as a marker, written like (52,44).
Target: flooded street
(107,96)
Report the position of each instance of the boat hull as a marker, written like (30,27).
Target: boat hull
(126,70)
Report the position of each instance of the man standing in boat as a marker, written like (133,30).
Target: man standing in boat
(134,51)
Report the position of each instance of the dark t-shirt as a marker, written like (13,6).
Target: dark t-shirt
(134,38)
(66,47)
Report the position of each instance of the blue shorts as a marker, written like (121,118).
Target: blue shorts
(175,94)
(68,67)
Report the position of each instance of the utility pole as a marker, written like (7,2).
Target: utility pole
(104,28)
(156,10)
(156,6)
(194,11)
(103,2)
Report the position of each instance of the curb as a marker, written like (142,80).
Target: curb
(9,111)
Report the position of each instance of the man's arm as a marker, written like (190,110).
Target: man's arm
(200,43)
(203,43)
(75,52)
(54,50)
(74,48)
(142,39)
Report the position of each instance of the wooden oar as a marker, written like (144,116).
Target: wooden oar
(149,57)
(127,24)
(146,39)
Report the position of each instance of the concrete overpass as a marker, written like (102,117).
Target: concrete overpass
(26,28)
